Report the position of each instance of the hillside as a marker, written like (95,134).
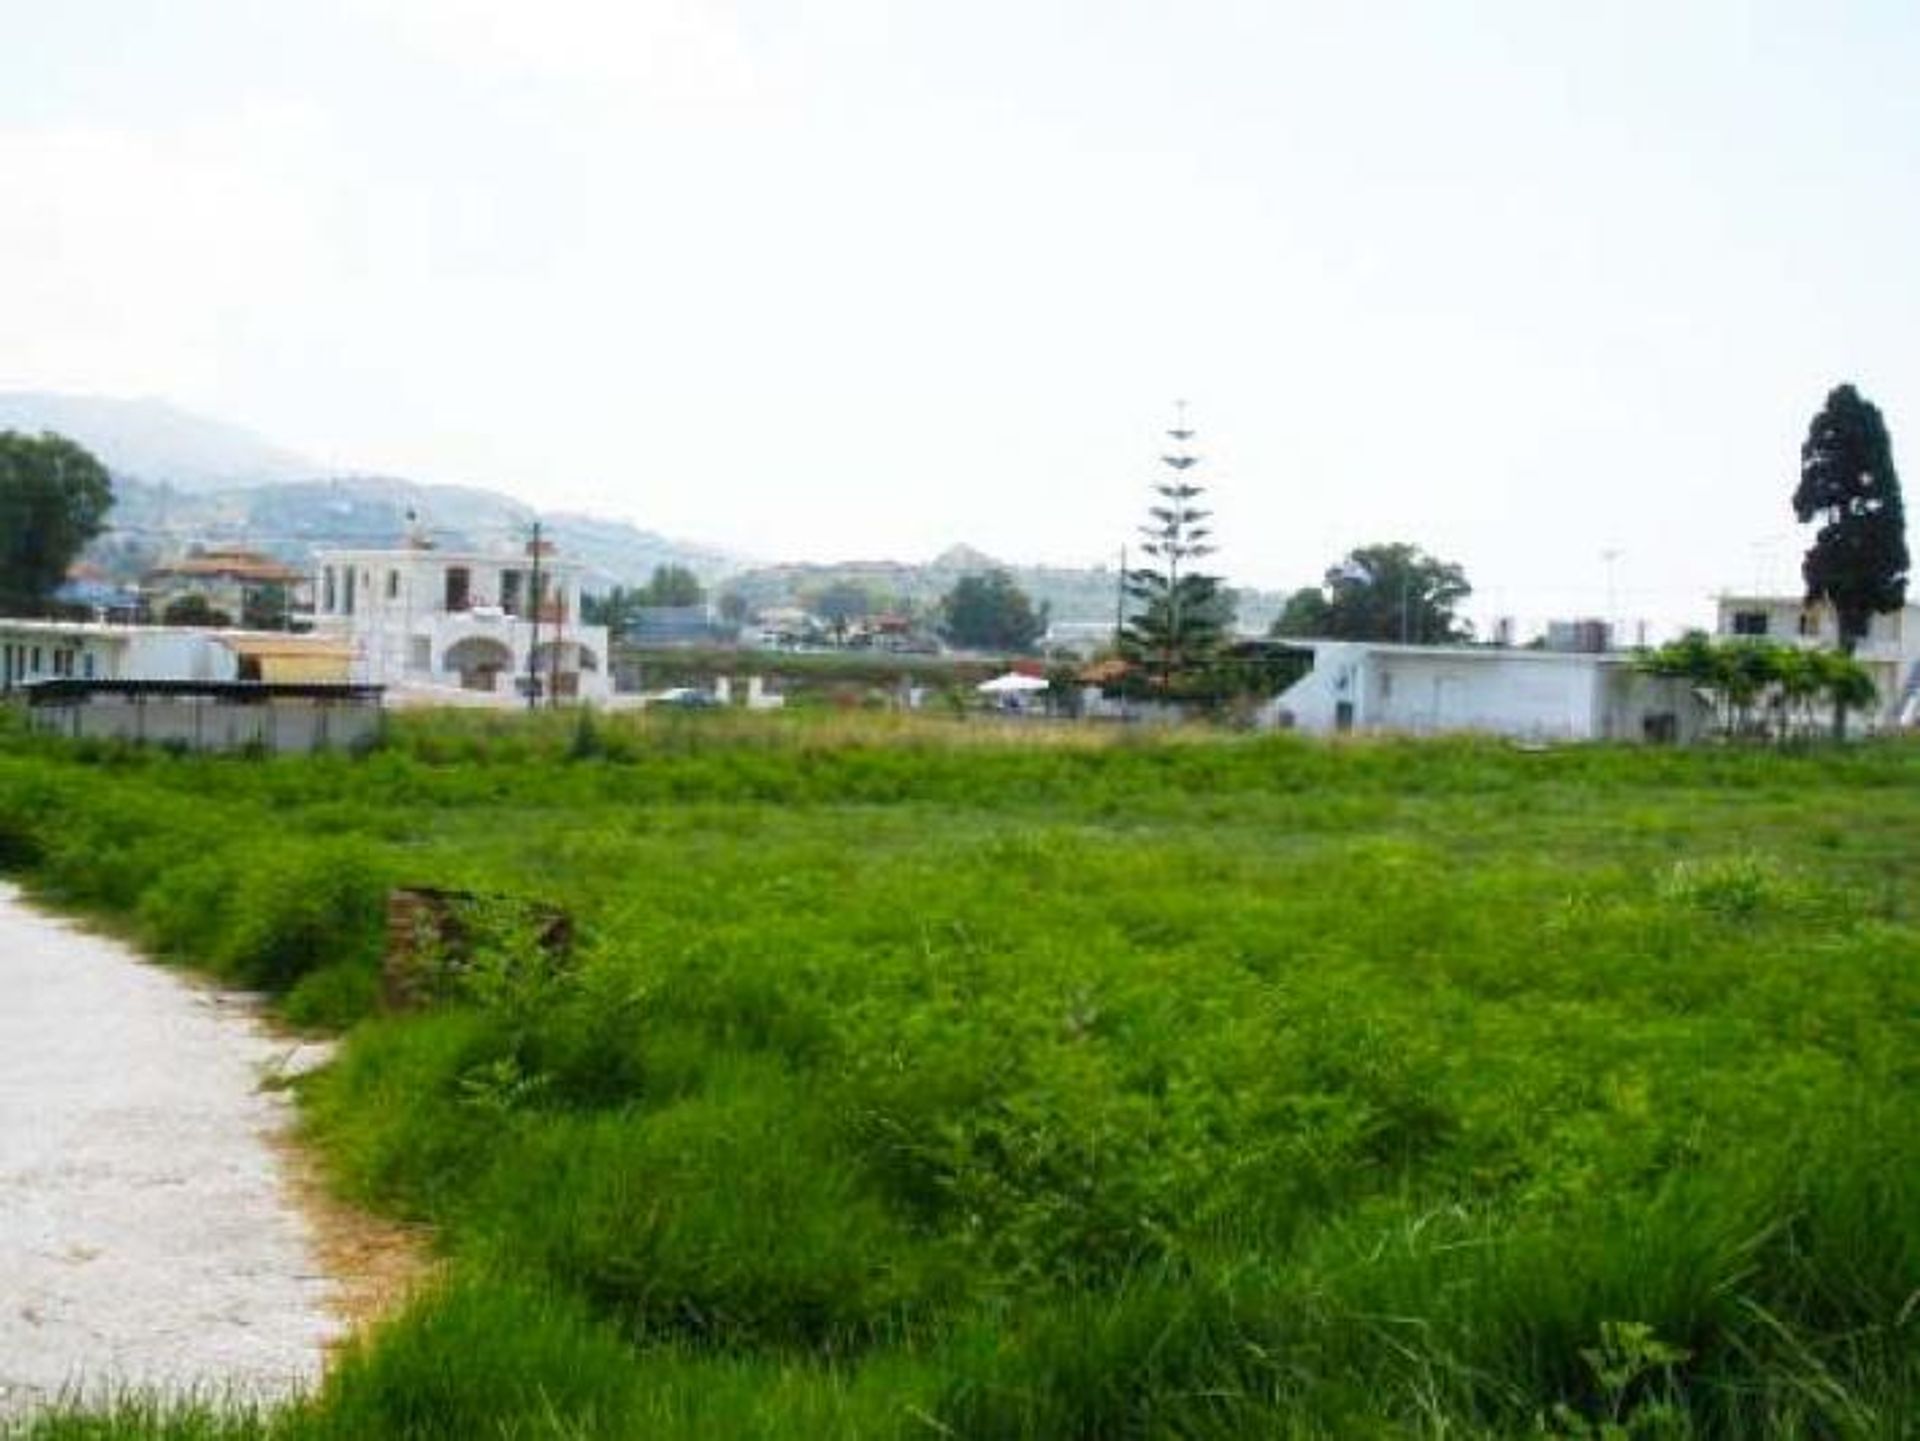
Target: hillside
(184,479)
(294,518)
(1074,594)
(155,441)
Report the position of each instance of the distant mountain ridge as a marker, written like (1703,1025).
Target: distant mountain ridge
(1074,594)
(292,519)
(181,479)
(155,440)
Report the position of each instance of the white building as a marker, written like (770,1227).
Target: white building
(37,650)
(447,626)
(1527,694)
(1890,650)
(229,579)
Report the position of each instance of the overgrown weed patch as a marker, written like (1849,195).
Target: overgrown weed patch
(997,1081)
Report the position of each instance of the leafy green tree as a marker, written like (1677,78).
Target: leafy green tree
(265,607)
(840,605)
(1388,592)
(1858,560)
(194,610)
(609,609)
(669,585)
(734,607)
(54,498)
(1800,680)
(1182,613)
(1307,612)
(673,585)
(991,612)
(1846,682)
(1760,687)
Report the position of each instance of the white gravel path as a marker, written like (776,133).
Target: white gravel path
(146,1236)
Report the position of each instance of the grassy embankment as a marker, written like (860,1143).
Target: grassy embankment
(918,1081)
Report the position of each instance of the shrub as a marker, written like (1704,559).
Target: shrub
(481,1357)
(300,906)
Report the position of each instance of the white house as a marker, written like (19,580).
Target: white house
(1890,650)
(39,650)
(229,579)
(449,626)
(1527,694)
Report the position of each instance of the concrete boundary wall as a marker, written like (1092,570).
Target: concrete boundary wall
(209,724)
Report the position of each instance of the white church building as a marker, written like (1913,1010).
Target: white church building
(447,627)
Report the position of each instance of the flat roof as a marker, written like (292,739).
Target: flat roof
(119,630)
(394,555)
(1468,652)
(275,643)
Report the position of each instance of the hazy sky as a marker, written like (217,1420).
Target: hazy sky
(1522,282)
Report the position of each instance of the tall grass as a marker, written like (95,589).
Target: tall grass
(949,1079)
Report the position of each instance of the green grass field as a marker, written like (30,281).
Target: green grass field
(930,1081)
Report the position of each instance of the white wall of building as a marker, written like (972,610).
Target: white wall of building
(1890,651)
(427,622)
(1424,690)
(37,650)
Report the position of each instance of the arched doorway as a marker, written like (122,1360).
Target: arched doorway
(562,664)
(479,660)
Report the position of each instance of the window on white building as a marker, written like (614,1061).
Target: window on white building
(329,596)
(459,588)
(1749,622)
(393,585)
(1809,624)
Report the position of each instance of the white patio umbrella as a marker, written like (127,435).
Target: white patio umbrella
(1012,683)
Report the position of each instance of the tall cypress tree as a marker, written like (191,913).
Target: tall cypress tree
(1858,560)
(1181,612)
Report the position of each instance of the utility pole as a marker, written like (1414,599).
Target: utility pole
(553,648)
(533,610)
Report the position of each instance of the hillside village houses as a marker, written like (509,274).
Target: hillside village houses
(450,627)
(240,583)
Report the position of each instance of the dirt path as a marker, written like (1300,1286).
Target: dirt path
(147,1235)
